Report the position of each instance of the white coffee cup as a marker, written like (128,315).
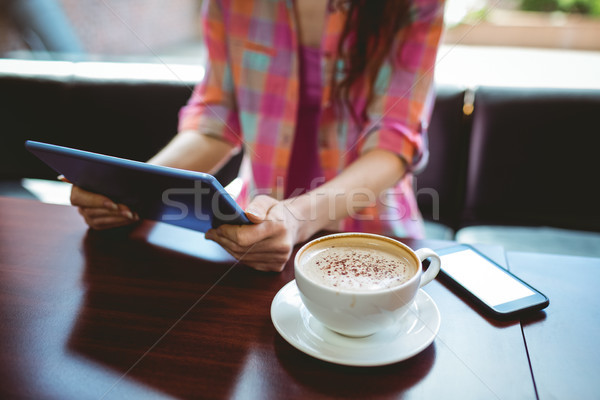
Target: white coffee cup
(349,305)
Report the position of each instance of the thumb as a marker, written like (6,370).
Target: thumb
(259,207)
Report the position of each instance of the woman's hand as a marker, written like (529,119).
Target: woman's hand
(99,211)
(266,245)
(279,225)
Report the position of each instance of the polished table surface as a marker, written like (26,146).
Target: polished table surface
(158,312)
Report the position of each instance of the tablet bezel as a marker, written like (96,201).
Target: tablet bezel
(139,185)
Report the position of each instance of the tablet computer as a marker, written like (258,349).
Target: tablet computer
(189,199)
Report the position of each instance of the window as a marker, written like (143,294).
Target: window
(521,43)
(563,24)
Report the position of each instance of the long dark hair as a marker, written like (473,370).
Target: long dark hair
(366,39)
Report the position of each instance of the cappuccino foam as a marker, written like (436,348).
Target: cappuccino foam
(357,269)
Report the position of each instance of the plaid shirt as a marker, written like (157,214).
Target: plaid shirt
(249,98)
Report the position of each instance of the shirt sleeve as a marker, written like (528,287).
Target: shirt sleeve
(403,92)
(211,109)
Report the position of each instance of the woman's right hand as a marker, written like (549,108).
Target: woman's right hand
(99,211)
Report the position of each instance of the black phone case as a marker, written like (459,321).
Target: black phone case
(480,304)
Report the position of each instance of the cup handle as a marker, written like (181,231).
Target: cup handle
(433,268)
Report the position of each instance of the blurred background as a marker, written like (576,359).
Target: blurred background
(486,41)
(116,30)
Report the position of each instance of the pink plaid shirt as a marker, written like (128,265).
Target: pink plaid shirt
(249,98)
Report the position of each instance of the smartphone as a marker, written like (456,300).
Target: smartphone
(498,291)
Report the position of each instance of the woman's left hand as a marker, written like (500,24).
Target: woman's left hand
(267,244)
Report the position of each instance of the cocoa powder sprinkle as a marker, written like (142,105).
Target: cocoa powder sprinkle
(361,269)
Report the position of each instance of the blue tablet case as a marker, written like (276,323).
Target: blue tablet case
(192,200)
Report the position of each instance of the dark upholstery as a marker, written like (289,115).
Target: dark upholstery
(533,158)
(439,188)
(123,117)
(130,120)
(525,158)
(30,107)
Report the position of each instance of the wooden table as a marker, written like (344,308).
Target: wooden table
(159,312)
(563,347)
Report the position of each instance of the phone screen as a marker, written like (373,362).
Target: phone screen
(482,278)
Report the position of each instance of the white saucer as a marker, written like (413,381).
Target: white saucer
(396,343)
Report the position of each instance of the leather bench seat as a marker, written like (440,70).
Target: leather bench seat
(519,171)
(540,239)
(123,110)
(532,175)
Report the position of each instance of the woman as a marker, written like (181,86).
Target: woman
(330,102)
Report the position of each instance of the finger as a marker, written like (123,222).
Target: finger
(226,243)
(211,235)
(271,245)
(262,261)
(126,212)
(253,256)
(259,207)
(95,212)
(231,233)
(247,235)
(95,218)
(83,198)
(107,222)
